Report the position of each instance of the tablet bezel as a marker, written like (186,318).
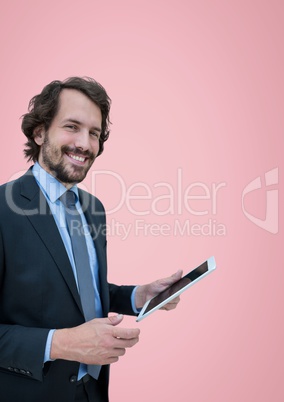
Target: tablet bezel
(211,266)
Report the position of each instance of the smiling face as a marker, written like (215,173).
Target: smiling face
(71,144)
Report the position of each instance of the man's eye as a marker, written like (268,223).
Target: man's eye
(95,134)
(71,126)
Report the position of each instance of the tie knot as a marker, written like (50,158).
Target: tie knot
(69,199)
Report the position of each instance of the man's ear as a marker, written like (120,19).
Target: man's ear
(39,135)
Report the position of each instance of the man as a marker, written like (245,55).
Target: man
(56,339)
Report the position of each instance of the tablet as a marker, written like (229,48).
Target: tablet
(177,288)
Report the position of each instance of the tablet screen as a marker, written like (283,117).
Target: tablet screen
(184,281)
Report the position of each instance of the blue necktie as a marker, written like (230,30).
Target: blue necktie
(82,263)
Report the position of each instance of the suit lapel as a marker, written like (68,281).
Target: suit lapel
(37,211)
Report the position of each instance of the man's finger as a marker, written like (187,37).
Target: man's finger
(126,333)
(170,280)
(172,304)
(125,343)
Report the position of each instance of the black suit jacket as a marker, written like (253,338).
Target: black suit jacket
(38,292)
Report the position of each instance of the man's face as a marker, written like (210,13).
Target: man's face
(71,144)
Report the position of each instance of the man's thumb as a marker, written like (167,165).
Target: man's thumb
(177,275)
(115,319)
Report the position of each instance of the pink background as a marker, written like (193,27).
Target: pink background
(197,88)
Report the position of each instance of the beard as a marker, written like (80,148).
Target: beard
(53,158)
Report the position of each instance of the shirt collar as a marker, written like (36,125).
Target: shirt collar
(50,186)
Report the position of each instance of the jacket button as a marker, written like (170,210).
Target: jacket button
(73,379)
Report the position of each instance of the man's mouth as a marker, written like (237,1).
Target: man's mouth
(76,157)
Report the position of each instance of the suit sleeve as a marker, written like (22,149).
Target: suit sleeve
(120,299)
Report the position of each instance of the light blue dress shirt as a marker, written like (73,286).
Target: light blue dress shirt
(53,190)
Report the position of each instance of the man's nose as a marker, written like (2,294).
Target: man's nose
(82,140)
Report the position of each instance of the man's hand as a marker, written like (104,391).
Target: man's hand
(98,341)
(146,292)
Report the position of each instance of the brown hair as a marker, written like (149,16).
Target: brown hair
(44,107)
